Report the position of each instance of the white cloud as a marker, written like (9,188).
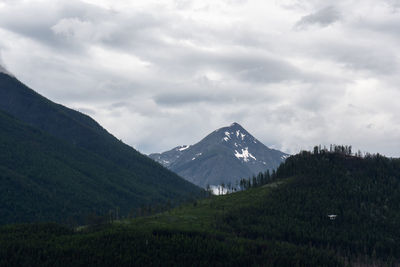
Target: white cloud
(159,74)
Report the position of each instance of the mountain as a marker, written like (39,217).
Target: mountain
(224,156)
(282,223)
(5,71)
(56,162)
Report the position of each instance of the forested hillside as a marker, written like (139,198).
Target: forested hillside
(191,235)
(45,179)
(364,193)
(58,164)
(82,131)
(281,223)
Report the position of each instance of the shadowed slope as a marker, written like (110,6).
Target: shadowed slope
(96,160)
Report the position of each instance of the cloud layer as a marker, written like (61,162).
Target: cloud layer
(165,73)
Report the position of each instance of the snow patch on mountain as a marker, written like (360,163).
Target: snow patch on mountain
(245,155)
(238,133)
(198,154)
(182,148)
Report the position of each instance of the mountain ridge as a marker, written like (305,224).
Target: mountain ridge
(117,174)
(223,156)
(5,71)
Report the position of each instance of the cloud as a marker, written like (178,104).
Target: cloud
(323,17)
(366,56)
(160,74)
(182,98)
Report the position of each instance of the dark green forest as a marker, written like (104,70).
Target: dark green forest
(282,222)
(57,164)
(43,178)
(363,191)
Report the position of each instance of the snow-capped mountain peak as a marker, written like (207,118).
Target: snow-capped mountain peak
(225,155)
(241,139)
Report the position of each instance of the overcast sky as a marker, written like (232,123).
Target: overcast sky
(158,74)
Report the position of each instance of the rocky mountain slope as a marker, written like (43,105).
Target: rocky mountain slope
(224,156)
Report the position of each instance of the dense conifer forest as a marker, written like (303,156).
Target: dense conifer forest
(57,164)
(43,178)
(362,191)
(282,222)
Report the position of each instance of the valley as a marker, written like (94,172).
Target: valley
(281,223)
(74,195)
(199,133)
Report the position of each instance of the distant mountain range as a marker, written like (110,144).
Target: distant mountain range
(57,163)
(224,156)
